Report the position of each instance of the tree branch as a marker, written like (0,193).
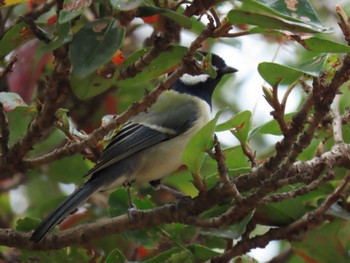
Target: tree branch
(312,219)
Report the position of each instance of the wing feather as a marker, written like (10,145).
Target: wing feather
(146,130)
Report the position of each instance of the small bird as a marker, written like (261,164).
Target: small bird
(149,146)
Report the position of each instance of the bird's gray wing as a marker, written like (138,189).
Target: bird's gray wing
(157,127)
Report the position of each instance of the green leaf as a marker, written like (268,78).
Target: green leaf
(72,9)
(115,256)
(64,171)
(125,5)
(162,257)
(300,11)
(62,36)
(27,224)
(202,253)
(270,22)
(270,127)
(317,44)
(282,213)
(274,73)
(92,85)
(235,159)
(11,101)
(183,256)
(182,20)
(118,202)
(234,231)
(94,45)
(195,150)
(323,244)
(158,66)
(15,37)
(239,125)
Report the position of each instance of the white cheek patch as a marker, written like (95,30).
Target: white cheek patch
(193,80)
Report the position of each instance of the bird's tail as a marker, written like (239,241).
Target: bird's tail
(67,207)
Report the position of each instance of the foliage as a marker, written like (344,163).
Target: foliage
(66,64)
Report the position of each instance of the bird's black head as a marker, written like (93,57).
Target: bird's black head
(202,85)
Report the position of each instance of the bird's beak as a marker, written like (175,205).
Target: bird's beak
(227,70)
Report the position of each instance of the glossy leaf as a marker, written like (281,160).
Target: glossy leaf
(119,202)
(72,9)
(125,5)
(160,65)
(182,20)
(91,85)
(194,253)
(11,101)
(62,171)
(271,22)
(281,213)
(14,37)
(115,256)
(239,125)
(63,35)
(231,232)
(270,127)
(317,44)
(301,10)
(275,73)
(195,150)
(323,244)
(202,253)
(235,159)
(94,45)
(162,257)
(183,256)
(27,224)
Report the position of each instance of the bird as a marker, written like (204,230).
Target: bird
(151,144)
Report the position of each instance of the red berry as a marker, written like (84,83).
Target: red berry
(118,58)
(150,19)
(51,21)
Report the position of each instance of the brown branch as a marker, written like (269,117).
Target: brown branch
(37,31)
(278,113)
(312,219)
(9,67)
(5,133)
(199,6)
(297,192)
(223,171)
(57,88)
(339,156)
(343,22)
(337,122)
(283,147)
(184,211)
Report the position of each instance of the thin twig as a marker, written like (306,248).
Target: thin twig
(278,197)
(223,171)
(5,132)
(313,218)
(215,14)
(337,121)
